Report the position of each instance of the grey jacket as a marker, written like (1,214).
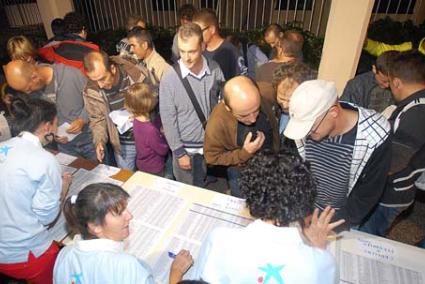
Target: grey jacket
(181,124)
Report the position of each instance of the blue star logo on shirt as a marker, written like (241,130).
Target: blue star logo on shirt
(5,150)
(272,272)
(77,278)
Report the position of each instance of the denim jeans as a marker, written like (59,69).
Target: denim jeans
(233,175)
(381,219)
(127,158)
(196,175)
(81,146)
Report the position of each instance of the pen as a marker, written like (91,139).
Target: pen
(171,255)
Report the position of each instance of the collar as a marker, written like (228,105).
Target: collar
(186,71)
(98,244)
(412,97)
(151,56)
(31,138)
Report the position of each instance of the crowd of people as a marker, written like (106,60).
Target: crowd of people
(307,161)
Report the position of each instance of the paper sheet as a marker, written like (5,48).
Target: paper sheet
(62,132)
(68,169)
(80,179)
(121,118)
(65,159)
(105,170)
(154,207)
(364,258)
(169,216)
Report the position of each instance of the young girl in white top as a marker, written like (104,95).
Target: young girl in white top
(99,214)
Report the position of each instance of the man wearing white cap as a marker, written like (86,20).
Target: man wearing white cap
(347,146)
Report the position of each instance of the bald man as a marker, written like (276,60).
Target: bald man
(238,128)
(63,85)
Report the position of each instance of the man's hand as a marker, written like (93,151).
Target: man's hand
(184,162)
(320,227)
(180,265)
(253,146)
(76,126)
(61,139)
(100,152)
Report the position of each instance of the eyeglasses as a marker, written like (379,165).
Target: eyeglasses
(314,128)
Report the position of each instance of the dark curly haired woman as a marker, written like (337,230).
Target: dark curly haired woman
(287,240)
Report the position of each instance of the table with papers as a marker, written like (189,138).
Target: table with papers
(169,216)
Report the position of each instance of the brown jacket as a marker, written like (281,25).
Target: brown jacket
(97,105)
(220,143)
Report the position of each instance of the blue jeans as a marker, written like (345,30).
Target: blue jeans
(233,174)
(381,219)
(195,176)
(81,146)
(127,158)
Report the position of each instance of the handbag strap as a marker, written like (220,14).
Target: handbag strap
(191,95)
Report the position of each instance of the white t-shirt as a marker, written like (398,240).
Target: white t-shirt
(262,253)
(99,261)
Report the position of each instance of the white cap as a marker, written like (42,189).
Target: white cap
(309,101)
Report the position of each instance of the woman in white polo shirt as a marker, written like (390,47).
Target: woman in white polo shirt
(281,245)
(30,191)
(99,214)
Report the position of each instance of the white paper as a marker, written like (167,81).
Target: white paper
(105,170)
(62,132)
(68,169)
(65,159)
(200,220)
(80,179)
(358,269)
(168,185)
(364,258)
(228,203)
(161,268)
(154,207)
(121,118)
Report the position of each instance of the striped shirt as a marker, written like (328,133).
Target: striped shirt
(115,97)
(330,161)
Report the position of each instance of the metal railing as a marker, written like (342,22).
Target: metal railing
(235,15)
(238,15)
(21,13)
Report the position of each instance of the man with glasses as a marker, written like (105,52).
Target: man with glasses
(224,53)
(347,147)
(239,127)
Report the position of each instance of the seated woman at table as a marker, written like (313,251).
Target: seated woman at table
(285,243)
(100,216)
(30,191)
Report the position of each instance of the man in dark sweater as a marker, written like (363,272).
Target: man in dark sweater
(371,89)
(407,83)
(238,128)
(224,53)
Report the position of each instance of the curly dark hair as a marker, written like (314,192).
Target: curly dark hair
(74,22)
(278,187)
